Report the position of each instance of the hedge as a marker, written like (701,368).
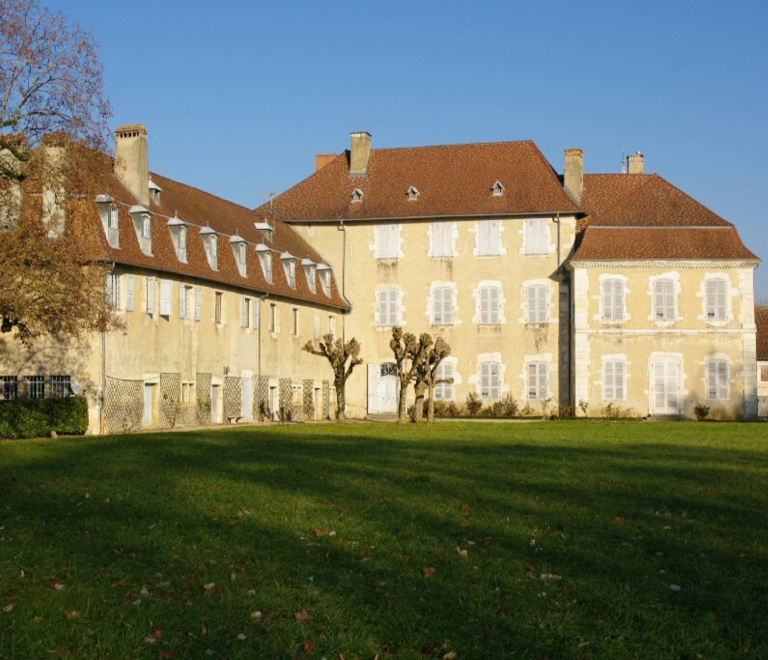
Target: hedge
(35,418)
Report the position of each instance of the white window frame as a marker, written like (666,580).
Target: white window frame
(267,262)
(245,312)
(614,379)
(113,225)
(151,296)
(130,292)
(114,289)
(716,302)
(388,307)
(664,300)
(388,240)
(490,381)
(166,297)
(718,379)
(537,303)
(182,237)
(442,239)
(445,391)
(489,237)
(442,305)
(536,236)
(184,306)
(613,295)
(537,380)
(489,313)
(325,280)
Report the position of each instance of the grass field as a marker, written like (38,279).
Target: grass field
(553,539)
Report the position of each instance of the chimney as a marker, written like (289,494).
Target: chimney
(574,173)
(132,160)
(635,163)
(361,152)
(321,160)
(54,172)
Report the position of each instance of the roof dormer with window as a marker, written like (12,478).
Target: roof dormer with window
(142,223)
(179,231)
(310,270)
(240,250)
(155,192)
(357,196)
(265,260)
(267,230)
(211,245)
(289,266)
(110,219)
(324,273)
(412,194)
(497,190)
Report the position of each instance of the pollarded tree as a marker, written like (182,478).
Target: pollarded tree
(432,360)
(408,352)
(343,358)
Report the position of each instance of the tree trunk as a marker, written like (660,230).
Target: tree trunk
(402,418)
(341,414)
(418,411)
(431,404)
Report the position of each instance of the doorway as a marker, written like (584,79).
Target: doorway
(666,386)
(215,404)
(149,404)
(388,388)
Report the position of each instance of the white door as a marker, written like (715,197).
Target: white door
(149,399)
(273,403)
(215,403)
(666,386)
(762,406)
(388,382)
(247,398)
(317,399)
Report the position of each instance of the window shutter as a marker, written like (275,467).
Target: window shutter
(722,307)
(493,304)
(484,237)
(373,388)
(109,289)
(659,381)
(243,312)
(619,380)
(198,303)
(532,381)
(151,295)
(182,301)
(393,311)
(722,377)
(388,247)
(130,292)
(256,305)
(609,379)
(712,381)
(543,380)
(165,297)
(608,300)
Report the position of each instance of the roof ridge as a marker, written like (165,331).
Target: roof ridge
(455,144)
(204,192)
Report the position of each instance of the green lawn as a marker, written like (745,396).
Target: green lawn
(552,539)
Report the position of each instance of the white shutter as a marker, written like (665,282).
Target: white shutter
(613,300)
(532,374)
(381,307)
(484,243)
(244,312)
(393,308)
(198,303)
(543,380)
(256,312)
(532,307)
(373,388)
(130,292)
(537,304)
(712,381)
(151,295)
(388,247)
(673,380)
(109,289)
(659,384)
(165,297)
(484,301)
(717,307)
(182,301)
(609,379)
(722,377)
(493,304)
(722,308)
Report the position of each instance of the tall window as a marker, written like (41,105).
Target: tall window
(490,300)
(537,235)
(442,305)
(488,238)
(166,293)
(146,227)
(325,280)
(245,312)
(538,381)
(613,300)
(664,299)
(36,387)
(213,251)
(113,226)
(242,252)
(764,374)
(151,295)
(198,303)
(538,303)
(114,290)
(489,381)
(266,265)
(274,322)
(443,390)
(290,272)
(442,239)
(717,301)
(388,307)
(130,292)
(717,380)
(296,321)
(181,243)
(218,311)
(614,380)
(184,306)
(388,243)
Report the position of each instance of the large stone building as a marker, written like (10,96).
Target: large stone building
(596,292)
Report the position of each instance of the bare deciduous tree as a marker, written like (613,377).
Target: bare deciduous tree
(409,352)
(338,354)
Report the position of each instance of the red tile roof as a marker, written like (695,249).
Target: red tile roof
(761,320)
(452,180)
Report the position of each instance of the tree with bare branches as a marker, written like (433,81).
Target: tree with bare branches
(53,135)
(343,359)
(408,352)
(432,360)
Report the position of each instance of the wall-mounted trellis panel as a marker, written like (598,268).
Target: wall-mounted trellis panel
(203,399)
(123,405)
(286,399)
(170,392)
(326,399)
(233,397)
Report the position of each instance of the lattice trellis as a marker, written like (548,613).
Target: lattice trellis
(170,392)
(309,401)
(123,405)
(286,399)
(203,399)
(262,397)
(233,396)
(326,400)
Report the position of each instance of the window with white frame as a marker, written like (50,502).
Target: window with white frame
(718,375)
(211,243)
(716,291)
(113,225)
(489,302)
(218,307)
(664,299)
(537,297)
(442,305)
(310,272)
(114,291)
(255,312)
(325,279)
(9,387)
(613,300)
(245,311)
(289,266)
(274,318)
(490,381)
(36,387)
(198,303)
(536,235)
(61,386)
(181,243)
(151,295)
(130,292)
(442,239)
(265,258)
(614,380)
(388,307)
(242,254)
(538,381)
(166,294)
(488,238)
(184,307)
(388,241)
(443,389)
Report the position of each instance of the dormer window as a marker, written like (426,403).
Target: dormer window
(142,222)
(154,192)
(357,196)
(179,234)
(498,189)
(289,265)
(412,194)
(310,269)
(110,218)
(211,244)
(240,250)
(265,259)
(266,229)
(324,272)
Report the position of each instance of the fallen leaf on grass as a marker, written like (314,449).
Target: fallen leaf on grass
(241,637)
(302,617)
(8,608)
(169,654)
(428,571)
(466,507)
(618,519)
(463,553)
(451,655)
(675,587)
(71,614)
(158,634)
(256,616)
(550,577)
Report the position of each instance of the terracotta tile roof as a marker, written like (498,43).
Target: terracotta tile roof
(200,209)
(452,180)
(761,319)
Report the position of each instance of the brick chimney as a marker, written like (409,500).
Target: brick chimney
(361,152)
(573,178)
(132,160)
(321,160)
(635,163)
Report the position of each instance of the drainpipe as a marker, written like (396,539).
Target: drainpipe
(343,229)
(103,381)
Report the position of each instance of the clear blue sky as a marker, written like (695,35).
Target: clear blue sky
(238,97)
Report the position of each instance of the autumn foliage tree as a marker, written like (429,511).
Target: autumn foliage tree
(53,137)
(343,357)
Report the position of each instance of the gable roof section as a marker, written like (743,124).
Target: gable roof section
(761,320)
(452,180)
